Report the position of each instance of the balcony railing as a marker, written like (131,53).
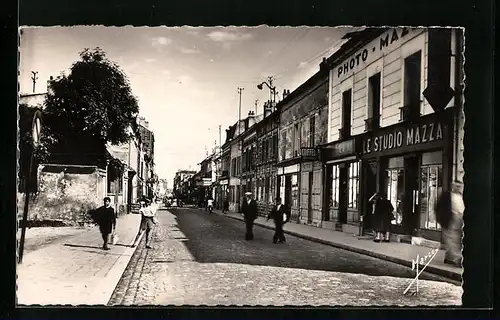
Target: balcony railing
(409,112)
(372,123)
(309,153)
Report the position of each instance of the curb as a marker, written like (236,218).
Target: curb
(430,269)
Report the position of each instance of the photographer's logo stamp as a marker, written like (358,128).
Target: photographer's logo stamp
(415,264)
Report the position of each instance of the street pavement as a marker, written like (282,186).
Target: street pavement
(202,259)
(73,269)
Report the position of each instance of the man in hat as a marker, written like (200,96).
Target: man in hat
(281,215)
(250,214)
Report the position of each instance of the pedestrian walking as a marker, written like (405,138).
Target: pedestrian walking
(106,219)
(147,222)
(449,211)
(281,215)
(249,210)
(382,217)
(225,206)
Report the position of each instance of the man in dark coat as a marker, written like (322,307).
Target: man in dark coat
(249,210)
(106,219)
(281,215)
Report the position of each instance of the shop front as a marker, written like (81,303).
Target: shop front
(288,188)
(341,206)
(410,163)
(223,194)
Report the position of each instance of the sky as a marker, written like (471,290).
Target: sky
(186,78)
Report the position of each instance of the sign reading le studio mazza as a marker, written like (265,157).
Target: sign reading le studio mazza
(404,137)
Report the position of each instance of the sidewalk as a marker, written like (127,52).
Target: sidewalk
(400,253)
(76,271)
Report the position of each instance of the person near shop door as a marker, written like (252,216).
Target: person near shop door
(281,215)
(449,211)
(382,217)
(249,210)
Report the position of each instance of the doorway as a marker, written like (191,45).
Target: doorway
(343,194)
(370,181)
(288,191)
(309,199)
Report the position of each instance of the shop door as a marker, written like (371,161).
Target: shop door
(370,181)
(309,201)
(342,219)
(411,206)
(288,191)
(305,191)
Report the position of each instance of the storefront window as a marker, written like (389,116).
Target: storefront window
(295,191)
(334,195)
(353,185)
(395,191)
(431,178)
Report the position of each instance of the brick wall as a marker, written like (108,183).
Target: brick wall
(66,196)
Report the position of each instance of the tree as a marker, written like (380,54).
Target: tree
(90,107)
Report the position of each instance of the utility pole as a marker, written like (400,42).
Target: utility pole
(34,78)
(220,140)
(272,92)
(240,91)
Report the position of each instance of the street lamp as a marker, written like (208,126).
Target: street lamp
(269,84)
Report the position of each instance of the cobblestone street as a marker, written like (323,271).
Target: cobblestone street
(202,259)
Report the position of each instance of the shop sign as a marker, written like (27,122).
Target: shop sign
(224,182)
(387,42)
(291,169)
(402,137)
(339,149)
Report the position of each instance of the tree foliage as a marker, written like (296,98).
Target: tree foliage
(91,105)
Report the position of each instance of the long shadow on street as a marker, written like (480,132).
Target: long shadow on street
(217,239)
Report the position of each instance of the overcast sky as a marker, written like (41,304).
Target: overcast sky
(186,79)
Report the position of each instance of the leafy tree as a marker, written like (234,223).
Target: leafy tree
(91,106)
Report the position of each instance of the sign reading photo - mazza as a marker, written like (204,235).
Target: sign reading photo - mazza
(405,138)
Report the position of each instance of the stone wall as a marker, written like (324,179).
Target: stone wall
(65,194)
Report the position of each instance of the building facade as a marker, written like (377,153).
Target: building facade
(303,115)
(223,163)
(383,133)
(266,159)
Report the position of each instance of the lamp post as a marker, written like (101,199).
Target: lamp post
(269,84)
(29,183)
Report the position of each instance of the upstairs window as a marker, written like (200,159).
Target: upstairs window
(312,130)
(412,87)
(374,105)
(346,114)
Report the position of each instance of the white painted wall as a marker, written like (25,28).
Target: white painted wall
(388,60)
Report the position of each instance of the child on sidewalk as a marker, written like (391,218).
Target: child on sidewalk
(106,220)
(147,222)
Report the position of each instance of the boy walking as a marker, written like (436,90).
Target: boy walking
(106,220)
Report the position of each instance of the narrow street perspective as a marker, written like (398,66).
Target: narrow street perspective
(203,259)
(300,166)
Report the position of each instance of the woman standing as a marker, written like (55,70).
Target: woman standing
(382,216)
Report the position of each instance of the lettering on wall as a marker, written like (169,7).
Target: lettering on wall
(404,137)
(374,50)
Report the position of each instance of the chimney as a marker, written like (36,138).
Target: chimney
(323,65)
(250,119)
(285,93)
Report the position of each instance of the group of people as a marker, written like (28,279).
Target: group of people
(449,209)
(279,213)
(105,217)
